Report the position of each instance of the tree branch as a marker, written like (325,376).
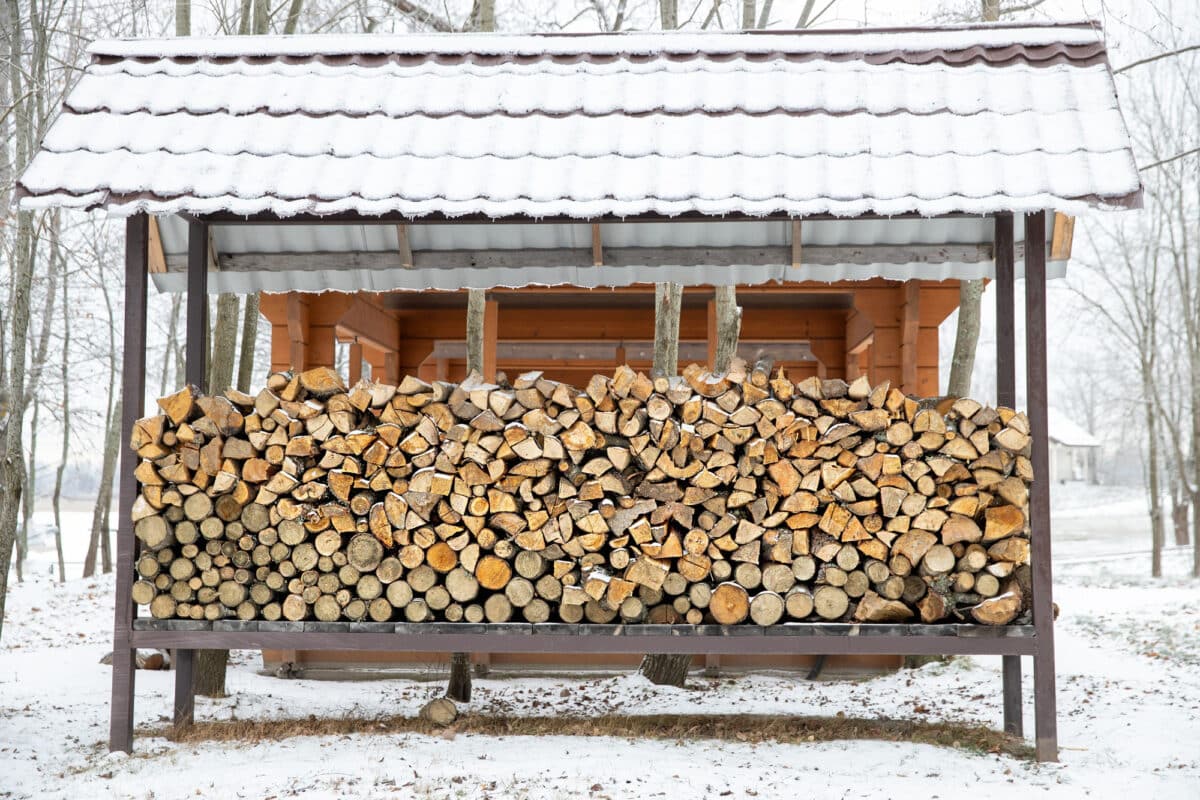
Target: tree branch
(1159,57)
(1175,157)
(422,16)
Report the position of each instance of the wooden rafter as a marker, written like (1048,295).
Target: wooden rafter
(1063,237)
(597,246)
(157,257)
(404,248)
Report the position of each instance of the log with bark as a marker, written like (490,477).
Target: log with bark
(740,498)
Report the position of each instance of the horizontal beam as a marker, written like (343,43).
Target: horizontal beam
(369,324)
(613,257)
(794,639)
(393,218)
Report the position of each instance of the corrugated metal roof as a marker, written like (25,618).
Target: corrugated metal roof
(936,121)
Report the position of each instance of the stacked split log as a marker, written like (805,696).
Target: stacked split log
(736,498)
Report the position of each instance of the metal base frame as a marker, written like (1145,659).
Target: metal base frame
(186,637)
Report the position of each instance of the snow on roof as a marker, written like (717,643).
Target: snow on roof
(845,123)
(1066,432)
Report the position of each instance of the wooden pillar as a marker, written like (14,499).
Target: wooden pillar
(133,387)
(491,331)
(910,329)
(297,323)
(1006,395)
(710,328)
(391,368)
(442,367)
(1045,702)
(354,372)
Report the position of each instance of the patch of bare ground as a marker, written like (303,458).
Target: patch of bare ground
(741,728)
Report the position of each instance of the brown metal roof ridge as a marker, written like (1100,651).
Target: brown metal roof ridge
(1036,55)
(660,112)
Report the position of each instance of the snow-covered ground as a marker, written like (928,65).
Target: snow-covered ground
(1129,709)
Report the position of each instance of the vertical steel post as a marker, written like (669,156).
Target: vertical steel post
(133,389)
(1006,395)
(1045,702)
(196,363)
(197,305)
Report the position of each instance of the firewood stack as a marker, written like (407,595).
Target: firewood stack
(726,499)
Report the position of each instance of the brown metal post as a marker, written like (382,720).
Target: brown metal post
(197,305)
(1006,395)
(196,361)
(185,687)
(133,388)
(1045,702)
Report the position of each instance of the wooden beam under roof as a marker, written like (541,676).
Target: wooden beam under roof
(1063,238)
(404,247)
(615,257)
(369,324)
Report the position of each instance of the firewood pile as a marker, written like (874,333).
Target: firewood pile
(736,498)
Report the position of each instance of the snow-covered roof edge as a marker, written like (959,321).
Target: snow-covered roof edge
(1065,431)
(854,40)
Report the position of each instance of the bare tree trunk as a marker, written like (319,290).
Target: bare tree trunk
(293,17)
(224,344)
(112,442)
(245,17)
(668,297)
(262,16)
(747,14)
(966,338)
(459,687)
(12,457)
(666,670)
(668,14)
(729,326)
(1152,464)
(28,494)
(169,349)
(970,293)
(249,339)
(476,301)
(66,434)
(183,17)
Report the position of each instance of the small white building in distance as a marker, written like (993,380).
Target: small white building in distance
(1073,450)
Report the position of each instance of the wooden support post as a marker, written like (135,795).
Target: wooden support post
(910,329)
(1006,395)
(797,240)
(712,665)
(297,321)
(403,246)
(1045,702)
(442,366)
(356,362)
(711,329)
(491,331)
(133,387)
(597,246)
(391,368)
